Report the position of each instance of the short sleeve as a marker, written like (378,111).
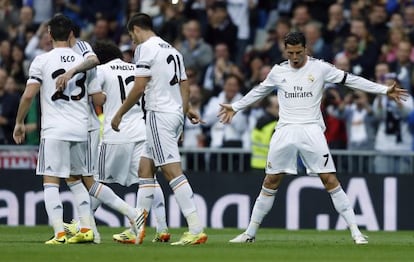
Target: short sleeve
(85,49)
(35,70)
(144,58)
(93,82)
(183,75)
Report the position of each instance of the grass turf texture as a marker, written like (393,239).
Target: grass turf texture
(27,244)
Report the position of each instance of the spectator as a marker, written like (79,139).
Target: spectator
(403,66)
(169,22)
(42,9)
(316,45)
(390,48)
(337,27)
(272,50)
(9,103)
(39,43)
(218,69)
(263,131)
(351,52)
(300,17)
(225,135)
(393,134)
(220,28)
(368,48)
(72,9)
(196,52)
(19,66)
(239,11)
(377,24)
(193,134)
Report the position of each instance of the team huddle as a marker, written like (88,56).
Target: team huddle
(145,105)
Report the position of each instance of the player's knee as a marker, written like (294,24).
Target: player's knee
(272,181)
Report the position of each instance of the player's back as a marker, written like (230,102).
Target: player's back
(161,61)
(117,79)
(64,114)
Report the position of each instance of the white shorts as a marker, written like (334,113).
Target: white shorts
(307,141)
(93,151)
(60,158)
(163,132)
(118,163)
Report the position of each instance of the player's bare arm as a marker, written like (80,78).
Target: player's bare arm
(130,101)
(24,106)
(396,93)
(63,79)
(226,113)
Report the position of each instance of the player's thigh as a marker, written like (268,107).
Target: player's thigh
(118,163)
(78,158)
(163,132)
(314,150)
(93,150)
(282,155)
(54,158)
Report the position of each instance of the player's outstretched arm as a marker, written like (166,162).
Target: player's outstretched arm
(226,113)
(63,79)
(396,93)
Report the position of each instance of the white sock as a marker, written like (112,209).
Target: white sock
(54,207)
(95,204)
(109,198)
(146,193)
(158,208)
(82,200)
(262,206)
(185,199)
(342,205)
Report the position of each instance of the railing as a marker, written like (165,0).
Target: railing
(238,160)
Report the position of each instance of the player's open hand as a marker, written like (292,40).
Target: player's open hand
(19,133)
(116,120)
(396,93)
(226,113)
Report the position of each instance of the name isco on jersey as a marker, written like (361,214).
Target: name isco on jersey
(123,67)
(298,94)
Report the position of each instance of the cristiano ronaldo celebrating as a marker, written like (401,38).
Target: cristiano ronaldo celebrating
(300,130)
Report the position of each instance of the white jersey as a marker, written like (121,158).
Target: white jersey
(84,49)
(64,117)
(300,90)
(157,58)
(117,79)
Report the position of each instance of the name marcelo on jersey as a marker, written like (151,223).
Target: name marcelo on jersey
(122,67)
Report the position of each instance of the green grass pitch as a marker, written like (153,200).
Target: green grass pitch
(26,244)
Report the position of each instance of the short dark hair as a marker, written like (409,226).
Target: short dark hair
(295,38)
(141,20)
(106,51)
(60,27)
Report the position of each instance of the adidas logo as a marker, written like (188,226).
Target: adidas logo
(170,156)
(284,80)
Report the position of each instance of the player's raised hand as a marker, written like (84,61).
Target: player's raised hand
(226,113)
(19,133)
(396,93)
(116,120)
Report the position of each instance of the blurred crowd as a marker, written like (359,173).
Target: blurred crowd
(229,46)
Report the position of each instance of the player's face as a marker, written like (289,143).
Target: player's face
(296,55)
